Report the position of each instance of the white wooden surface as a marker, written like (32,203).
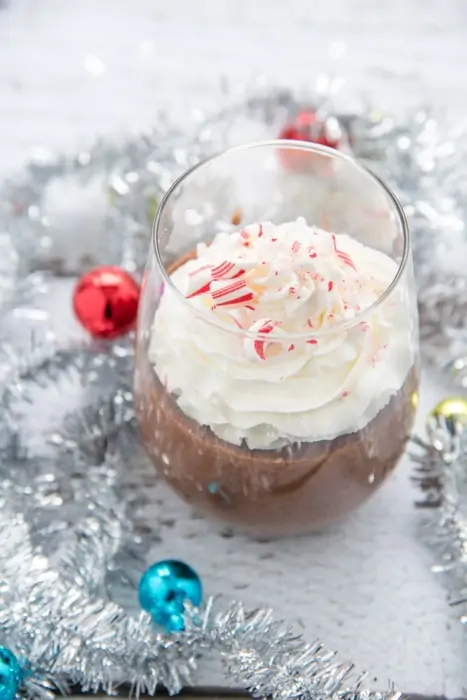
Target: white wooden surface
(72,70)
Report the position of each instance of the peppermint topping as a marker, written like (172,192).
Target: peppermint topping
(263,281)
(257,383)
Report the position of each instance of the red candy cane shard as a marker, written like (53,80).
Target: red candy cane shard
(226,270)
(345,257)
(260,345)
(312,342)
(228,289)
(199,281)
(239,301)
(234,294)
(201,290)
(296,246)
(330,286)
(347,260)
(222,270)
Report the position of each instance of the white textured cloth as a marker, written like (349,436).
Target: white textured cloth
(70,71)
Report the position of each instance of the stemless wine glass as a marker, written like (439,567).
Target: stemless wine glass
(264,443)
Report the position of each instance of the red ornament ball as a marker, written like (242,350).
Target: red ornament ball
(105,301)
(308,126)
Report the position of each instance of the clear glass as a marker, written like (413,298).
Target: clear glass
(244,437)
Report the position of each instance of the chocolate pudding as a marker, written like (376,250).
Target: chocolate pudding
(273,435)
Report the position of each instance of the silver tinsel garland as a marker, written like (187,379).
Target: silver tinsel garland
(80,638)
(68,560)
(58,610)
(440,463)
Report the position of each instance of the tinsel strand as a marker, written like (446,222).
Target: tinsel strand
(73,633)
(76,632)
(70,631)
(57,608)
(271,660)
(440,462)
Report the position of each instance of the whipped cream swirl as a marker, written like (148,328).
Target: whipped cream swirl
(275,367)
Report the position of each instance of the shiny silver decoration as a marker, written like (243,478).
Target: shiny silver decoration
(446,426)
(69,629)
(421,155)
(441,475)
(89,640)
(79,546)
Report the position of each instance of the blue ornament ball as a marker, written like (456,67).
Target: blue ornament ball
(164,589)
(11,675)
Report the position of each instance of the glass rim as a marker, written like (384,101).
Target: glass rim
(286,336)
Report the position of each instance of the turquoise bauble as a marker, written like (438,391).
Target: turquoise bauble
(11,674)
(165,588)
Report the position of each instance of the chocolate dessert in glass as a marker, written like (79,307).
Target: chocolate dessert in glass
(277,346)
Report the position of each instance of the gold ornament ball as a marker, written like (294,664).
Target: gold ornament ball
(451,412)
